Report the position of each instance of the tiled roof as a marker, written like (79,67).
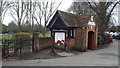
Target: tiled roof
(72,20)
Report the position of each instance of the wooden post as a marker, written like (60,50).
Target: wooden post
(20,50)
(36,42)
(72,32)
(96,36)
(69,33)
(51,32)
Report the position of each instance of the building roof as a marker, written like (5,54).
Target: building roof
(71,20)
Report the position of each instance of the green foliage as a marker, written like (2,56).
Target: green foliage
(7,43)
(106,38)
(103,39)
(7,36)
(15,42)
(100,39)
(46,35)
(21,39)
(5,46)
(23,35)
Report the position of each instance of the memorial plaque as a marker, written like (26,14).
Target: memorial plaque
(59,36)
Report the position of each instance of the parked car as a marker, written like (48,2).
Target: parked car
(116,37)
(113,34)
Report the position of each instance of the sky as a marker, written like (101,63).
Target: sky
(64,6)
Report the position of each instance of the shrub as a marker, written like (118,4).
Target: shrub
(103,39)
(22,39)
(100,39)
(7,44)
(15,42)
(106,39)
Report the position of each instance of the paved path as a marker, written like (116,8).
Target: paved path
(101,57)
(0,54)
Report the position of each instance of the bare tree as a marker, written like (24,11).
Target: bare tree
(28,20)
(44,12)
(80,8)
(4,6)
(18,12)
(104,12)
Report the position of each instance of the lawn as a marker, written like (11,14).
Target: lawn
(47,35)
(6,36)
(9,36)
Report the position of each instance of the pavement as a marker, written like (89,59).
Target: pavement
(0,54)
(101,57)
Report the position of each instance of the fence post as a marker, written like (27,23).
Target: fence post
(35,42)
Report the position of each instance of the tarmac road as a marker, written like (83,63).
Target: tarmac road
(101,57)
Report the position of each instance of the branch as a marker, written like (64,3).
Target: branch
(109,15)
(108,4)
(36,20)
(113,8)
(3,14)
(13,17)
(90,6)
(24,17)
(52,12)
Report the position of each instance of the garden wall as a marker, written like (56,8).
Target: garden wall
(45,42)
(48,42)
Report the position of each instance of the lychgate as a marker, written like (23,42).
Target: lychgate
(76,31)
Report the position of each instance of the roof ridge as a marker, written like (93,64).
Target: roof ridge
(73,20)
(61,15)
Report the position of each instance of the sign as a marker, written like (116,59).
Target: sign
(11,31)
(59,36)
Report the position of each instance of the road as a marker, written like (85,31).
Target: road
(101,57)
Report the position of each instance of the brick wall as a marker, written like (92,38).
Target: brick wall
(45,42)
(80,39)
(70,43)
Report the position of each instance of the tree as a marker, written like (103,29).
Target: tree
(103,12)
(13,26)
(18,10)
(4,28)
(114,29)
(118,28)
(80,8)
(4,6)
(29,19)
(44,12)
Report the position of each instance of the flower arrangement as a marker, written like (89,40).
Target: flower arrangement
(60,42)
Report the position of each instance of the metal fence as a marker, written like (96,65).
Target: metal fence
(15,48)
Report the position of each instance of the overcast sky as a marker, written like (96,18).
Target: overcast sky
(64,6)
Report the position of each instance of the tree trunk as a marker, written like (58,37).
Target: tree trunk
(44,31)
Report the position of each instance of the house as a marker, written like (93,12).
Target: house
(78,31)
